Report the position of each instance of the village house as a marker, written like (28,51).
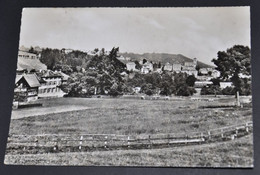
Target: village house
(176,68)
(189,68)
(147,67)
(168,67)
(190,71)
(26,87)
(200,84)
(223,85)
(50,82)
(130,66)
(191,63)
(203,71)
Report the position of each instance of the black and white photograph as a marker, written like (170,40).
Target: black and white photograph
(142,87)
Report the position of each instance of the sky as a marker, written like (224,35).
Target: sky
(194,32)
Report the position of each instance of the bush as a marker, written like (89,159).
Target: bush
(185,90)
(211,90)
(228,91)
(191,80)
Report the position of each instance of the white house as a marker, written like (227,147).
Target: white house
(223,85)
(130,66)
(168,67)
(147,67)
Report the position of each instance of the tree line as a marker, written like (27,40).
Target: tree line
(105,75)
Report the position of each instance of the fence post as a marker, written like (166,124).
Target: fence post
(80,142)
(128,143)
(247,129)
(236,131)
(105,142)
(149,140)
(222,134)
(209,135)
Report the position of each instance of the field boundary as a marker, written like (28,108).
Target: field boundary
(51,143)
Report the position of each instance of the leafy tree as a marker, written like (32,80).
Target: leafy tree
(232,63)
(159,65)
(144,61)
(31,50)
(215,81)
(148,89)
(228,91)
(211,90)
(51,57)
(137,65)
(182,88)
(191,80)
(185,90)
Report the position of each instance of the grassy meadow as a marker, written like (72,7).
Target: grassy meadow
(129,116)
(135,117)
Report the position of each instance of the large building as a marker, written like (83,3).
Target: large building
(28,62)
(50,84)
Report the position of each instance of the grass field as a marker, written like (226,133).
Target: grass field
(127,116)
(135,117)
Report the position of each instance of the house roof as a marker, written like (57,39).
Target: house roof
(49,73)
(31,79)
(64,76)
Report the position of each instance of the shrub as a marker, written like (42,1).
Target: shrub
(211,90)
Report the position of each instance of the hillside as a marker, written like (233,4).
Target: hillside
(163,58)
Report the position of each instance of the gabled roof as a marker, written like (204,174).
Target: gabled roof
(31,79)
(64,76)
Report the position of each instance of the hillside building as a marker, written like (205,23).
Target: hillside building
(176,68)
(168,67)
(147,67)
(50,84)
(26,88)
(130,66)
(28,62)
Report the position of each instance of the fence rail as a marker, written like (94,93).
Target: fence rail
(91,142)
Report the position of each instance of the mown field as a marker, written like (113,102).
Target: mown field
(135,117)
(236,153)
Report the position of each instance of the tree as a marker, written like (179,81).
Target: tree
(191,80)
(215,81)
(233,63)
(144,61)
(31,50)
(211,90)
(148,89)
(159,65)
(185,90)
(137,65)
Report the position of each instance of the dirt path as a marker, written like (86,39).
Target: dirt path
(22,113)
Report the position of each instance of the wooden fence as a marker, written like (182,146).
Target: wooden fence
(90,142)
